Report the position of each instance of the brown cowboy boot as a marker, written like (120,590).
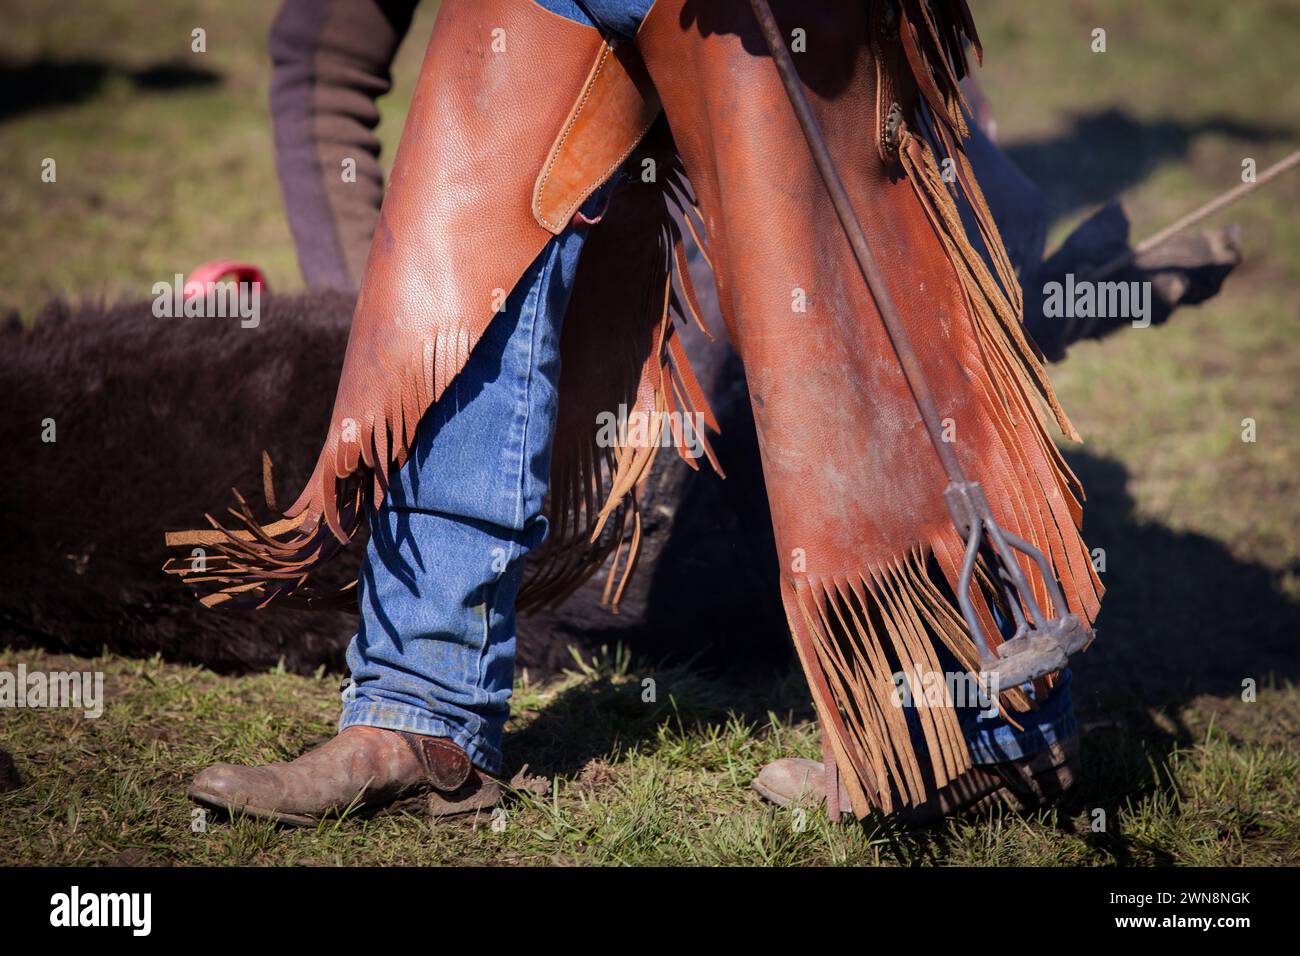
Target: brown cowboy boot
(794,780)
(1024,785)
(361,767)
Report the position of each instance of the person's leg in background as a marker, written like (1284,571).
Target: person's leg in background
(331,61)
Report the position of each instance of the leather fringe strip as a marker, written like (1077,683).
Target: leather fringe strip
(594,513)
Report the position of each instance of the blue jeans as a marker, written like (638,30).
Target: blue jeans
(434,651)
(435,646)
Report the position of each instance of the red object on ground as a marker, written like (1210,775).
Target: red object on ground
(197,281)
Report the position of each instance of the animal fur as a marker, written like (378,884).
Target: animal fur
(157,418)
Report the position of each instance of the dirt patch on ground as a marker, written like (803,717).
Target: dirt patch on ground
(10,779)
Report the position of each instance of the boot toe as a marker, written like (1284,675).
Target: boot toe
(790,779)
(233,787)
(219,783)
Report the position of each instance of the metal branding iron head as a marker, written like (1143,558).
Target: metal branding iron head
(1040,644)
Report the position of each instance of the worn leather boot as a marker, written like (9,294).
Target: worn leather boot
(361,767)
(1024,785)
(794,780)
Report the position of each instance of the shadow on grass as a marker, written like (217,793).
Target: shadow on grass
(1183,617)
(44,84)
(608,714)
(1106,153)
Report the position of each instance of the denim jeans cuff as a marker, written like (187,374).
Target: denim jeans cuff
(1007,743)
(390,716)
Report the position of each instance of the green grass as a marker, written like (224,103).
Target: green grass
(635,782)
(153,178)
(1201,530)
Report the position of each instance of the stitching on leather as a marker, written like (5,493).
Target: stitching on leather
(564,136)
(591,185)
(884,82)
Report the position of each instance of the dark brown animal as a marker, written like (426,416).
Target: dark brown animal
(149,413)
(148,416)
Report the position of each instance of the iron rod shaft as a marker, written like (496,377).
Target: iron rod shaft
(894,328)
